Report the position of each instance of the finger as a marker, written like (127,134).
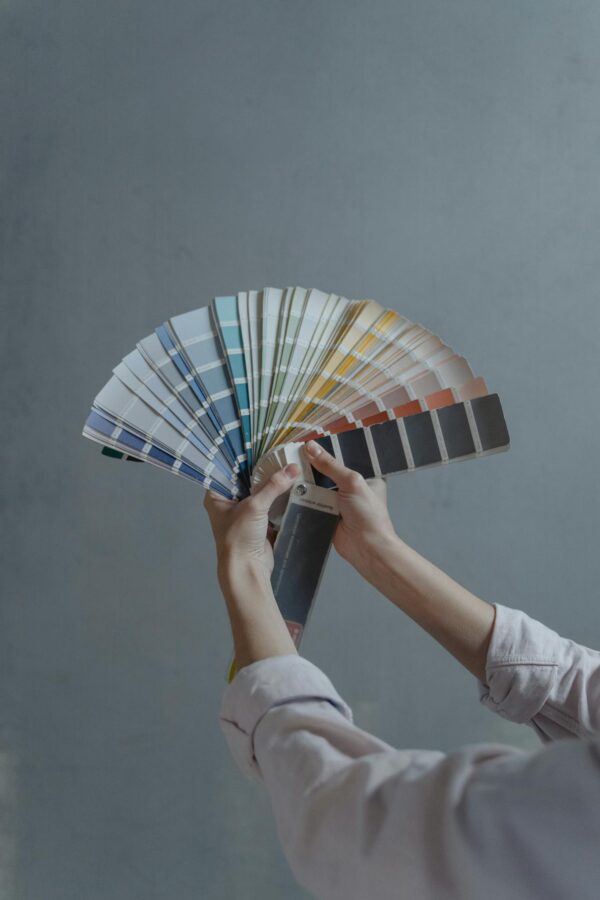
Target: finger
(379,488)
(277,485)
(324,462)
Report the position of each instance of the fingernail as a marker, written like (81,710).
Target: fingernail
(312,448)
(290,470)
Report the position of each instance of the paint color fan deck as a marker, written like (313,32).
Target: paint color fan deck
(225,394)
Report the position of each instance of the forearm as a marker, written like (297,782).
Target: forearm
(460,621)
(257,625)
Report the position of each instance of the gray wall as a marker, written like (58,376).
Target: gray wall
(440,157)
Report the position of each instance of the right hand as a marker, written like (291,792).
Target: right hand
(365,531)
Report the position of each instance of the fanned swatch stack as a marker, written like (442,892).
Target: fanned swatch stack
(217,395)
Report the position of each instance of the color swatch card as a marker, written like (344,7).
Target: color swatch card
(226,394)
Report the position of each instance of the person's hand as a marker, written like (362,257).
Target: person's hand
(365,530)
(241,528)
(245,562)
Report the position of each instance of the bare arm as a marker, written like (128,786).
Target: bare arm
(245,562)
(528,673)
(456,618)
(257,626)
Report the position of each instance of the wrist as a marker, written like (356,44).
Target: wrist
(378,560)
(257,626)
(242,577)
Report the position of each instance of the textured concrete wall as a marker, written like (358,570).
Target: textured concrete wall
(440,157)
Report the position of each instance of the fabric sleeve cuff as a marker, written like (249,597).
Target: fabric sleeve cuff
(521,666)
(259,687)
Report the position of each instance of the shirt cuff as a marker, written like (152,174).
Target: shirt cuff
(521,665)
(259,687)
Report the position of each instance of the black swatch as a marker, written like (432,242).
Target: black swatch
(296,575)
(422,439)
(490,422)
(388,446)
(456,431)
(322,480)
(355,452)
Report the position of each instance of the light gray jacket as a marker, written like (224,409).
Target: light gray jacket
(361,820)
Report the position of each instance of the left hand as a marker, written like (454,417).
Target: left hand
(241,528)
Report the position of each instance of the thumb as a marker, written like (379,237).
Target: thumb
(217,506)
(346,479)
(277,485)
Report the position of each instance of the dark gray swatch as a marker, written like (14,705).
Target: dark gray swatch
(388,446)
(322,480)
(296,575)
(422,439)
(355,452)
(456,431)
(490,422)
